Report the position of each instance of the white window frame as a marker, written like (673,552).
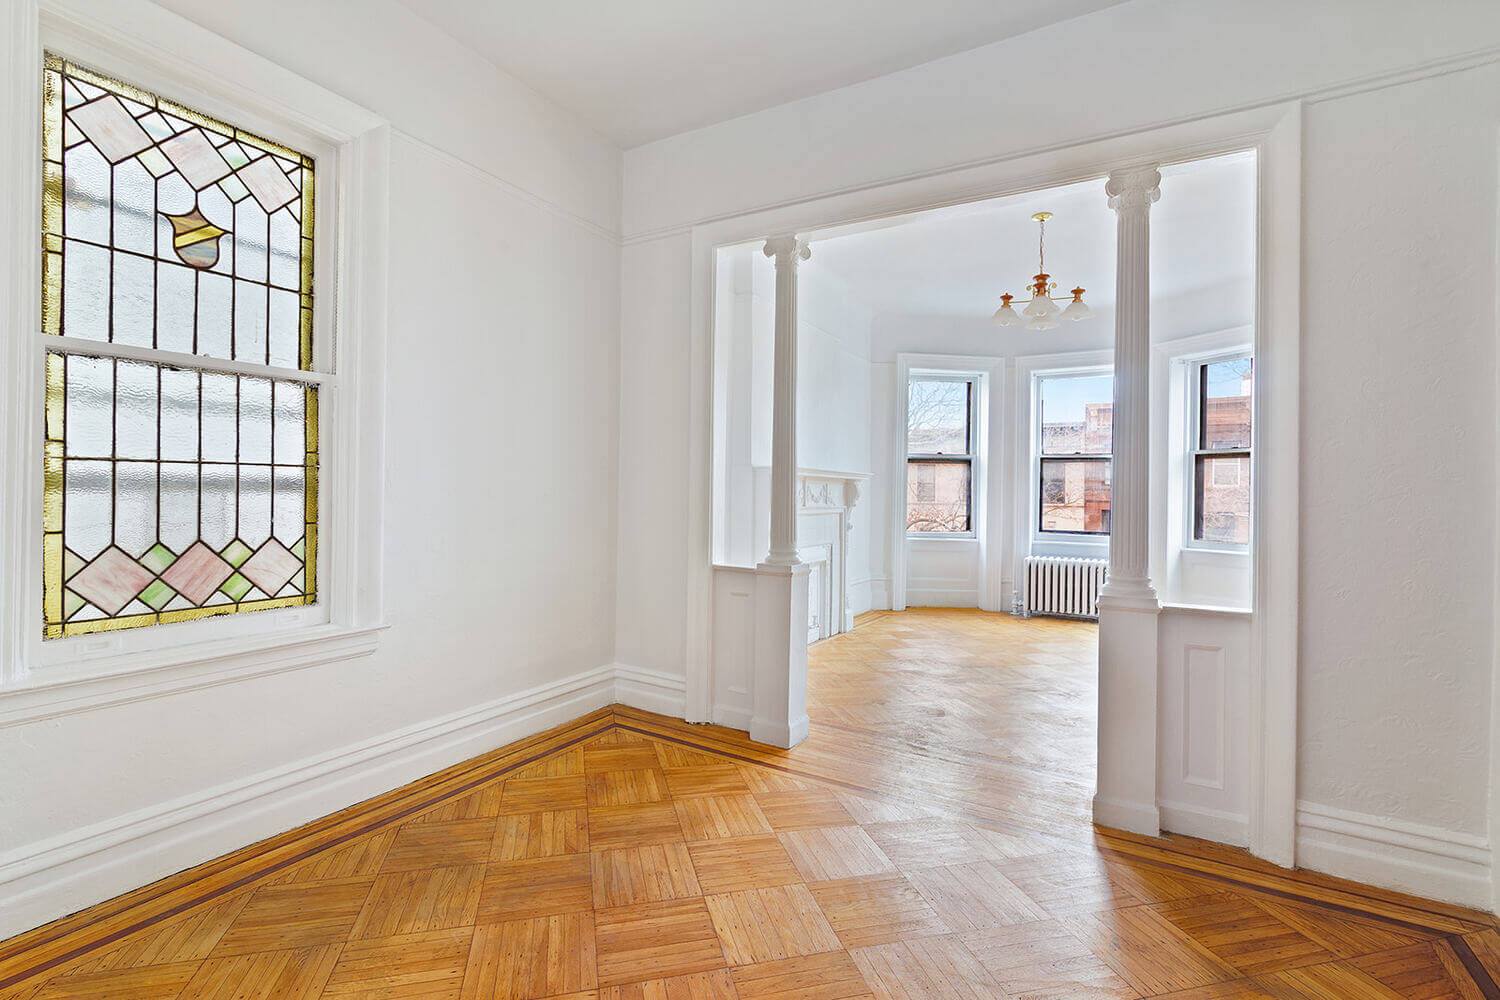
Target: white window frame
(971,457)
(160,51)
(1083,541)
(1192,367)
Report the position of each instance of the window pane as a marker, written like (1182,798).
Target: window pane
(1076,495)
(1223,499)
(1077,415)
(937,417)
(1227,390)
(137,533)
(937,496)
(143,195)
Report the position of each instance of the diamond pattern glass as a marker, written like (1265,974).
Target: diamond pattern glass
(173,491)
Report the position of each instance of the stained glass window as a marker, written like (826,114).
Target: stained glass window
(176,486)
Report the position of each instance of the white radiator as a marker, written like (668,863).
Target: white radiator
(1059,586)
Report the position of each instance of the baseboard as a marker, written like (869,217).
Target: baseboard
(651,690)
(1207,824)
(47,879)
(1412,857)
(1133,817)
(935,597)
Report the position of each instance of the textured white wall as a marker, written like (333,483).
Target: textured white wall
(502,400)
(1398,450)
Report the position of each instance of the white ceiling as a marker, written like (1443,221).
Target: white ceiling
(638,71)
(956,262)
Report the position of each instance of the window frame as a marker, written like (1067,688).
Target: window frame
(1196,430)
(350,147)
(1039,458)
(969,457)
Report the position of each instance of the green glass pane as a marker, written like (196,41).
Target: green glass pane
(236,552)
(236,586)
(72,563)
(157,595)
(158,558)
(71,603)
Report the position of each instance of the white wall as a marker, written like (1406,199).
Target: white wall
(1397,617)
(502,404)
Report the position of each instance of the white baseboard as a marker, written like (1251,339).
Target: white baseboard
(1208,824)
(732,717)
(1410,857)
(880,593)
(651,690)
(936,597)
(1134,817)
(47,879)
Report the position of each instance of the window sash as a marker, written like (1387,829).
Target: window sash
(1041,486)
(1198,452)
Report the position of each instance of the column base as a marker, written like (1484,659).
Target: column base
(778,687)
(1129,594)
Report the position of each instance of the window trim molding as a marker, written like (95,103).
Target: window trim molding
(176,55)
(1031,371)
(1193,448)
(971,458)
(986,372)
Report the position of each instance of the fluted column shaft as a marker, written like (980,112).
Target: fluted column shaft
(788,252)
(1131,194)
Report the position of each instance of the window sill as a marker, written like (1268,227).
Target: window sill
(133,677)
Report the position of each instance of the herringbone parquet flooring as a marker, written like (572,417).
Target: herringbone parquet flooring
(929,841)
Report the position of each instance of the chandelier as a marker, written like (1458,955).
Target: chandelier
(1041,312)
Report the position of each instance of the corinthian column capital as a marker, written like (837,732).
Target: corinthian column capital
(1134,188)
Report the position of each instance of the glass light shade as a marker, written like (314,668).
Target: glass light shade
(1005,316)
(1040,306)
(1076,311)
(1046,322)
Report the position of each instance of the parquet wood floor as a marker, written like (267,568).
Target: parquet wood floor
(929,841)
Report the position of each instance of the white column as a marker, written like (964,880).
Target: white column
(787,251)
(779,685)
(1126,792)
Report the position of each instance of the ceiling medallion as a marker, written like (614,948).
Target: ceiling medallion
(1040,312)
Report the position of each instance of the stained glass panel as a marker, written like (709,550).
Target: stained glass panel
(168,229)
(173,491)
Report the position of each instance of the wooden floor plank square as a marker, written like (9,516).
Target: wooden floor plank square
(439,845)
(835,852)
(528,795)
(298,974)
(974,896)
(676,755)
(359,858)
(301,915)
(1043,961)
(537,887)
(529,959)
(1148,951)
(620,757)
(1064,882)
(652,872)
(1242,934)
(1419,972)
(803,809)
(742,863)
(876,909)
(428,965)
(411,902)
(562,764)
(936,968)
(151,982)
(714,817)
(830,975)
(481,804)
(930,843)
(714,985)
(717,779)
(540,835)
(656,941)
(627,788)
(187,938)
(632,826)
(765,925)
(1330,981)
